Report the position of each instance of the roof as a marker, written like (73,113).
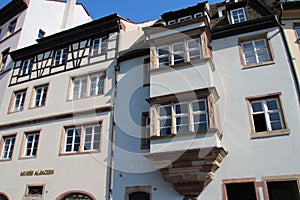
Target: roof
(98,27)
(11,9)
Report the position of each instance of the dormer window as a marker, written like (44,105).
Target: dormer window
(238,15)
(200,14)
(172,22)
(183,19)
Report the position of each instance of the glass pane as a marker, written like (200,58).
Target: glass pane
(248,46)
(260,44)
(163,51)
(182,120)
(257,107)
(178,47)
(182,129)
(200,118)
(181,108)
(272,104)
(199,105)
(263,55)
(276,125)
(165,131)
(260,122)
(274,116)
(165,122)
(165,111)
(200,127)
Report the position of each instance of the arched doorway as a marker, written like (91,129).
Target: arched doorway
(3,197)
(77,196)
(139,196)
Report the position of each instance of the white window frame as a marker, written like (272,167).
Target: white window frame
(98,87)
(186,18)
(80,133)
(255,51)
(82,87)
(190,114)
(267,112)
(85,87)
(33,145)
(239,18)
(40,95)
(172,22)
(166,117)
(181,115)
(9,142)
(99,45)
(3,59)
(186,52)
(179,53)
(200,14)
(199,112)
(19,100)
(60,57)
(93,138)
(26,67)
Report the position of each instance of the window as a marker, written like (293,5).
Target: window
(237,191)
(145,141)
(139,195)
(18,100)
(138,192)
(278,190)
(183,117)
(11,28)
(60,57)
(99,46)
(238,15)
(77,196)
(200,14)
(31,144)
(34,192)
(89,85)
(180,52)
(172,22)
(3,59)
(40,95)
(82,138)
(41,34)
(297,28)
(26,67)
(255,51)
(182,19)
(8,144)
(3,197)
(266,116)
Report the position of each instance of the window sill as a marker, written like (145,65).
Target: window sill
(36,107)
(79,153)
(5,159)
(11,35)
(86,97)
(27,157)
(155,137)
(264,134)
(17,111)
(97,55)
(194,62)
(258,64)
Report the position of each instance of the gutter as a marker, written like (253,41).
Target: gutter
(289,54)
(110,166)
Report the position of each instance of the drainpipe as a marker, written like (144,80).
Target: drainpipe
(290,58)
(112,136)
(113,124)
(68,14)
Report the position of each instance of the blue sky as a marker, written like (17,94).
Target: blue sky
(135,10)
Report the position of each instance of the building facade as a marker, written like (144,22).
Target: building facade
(199,104)
(21,24)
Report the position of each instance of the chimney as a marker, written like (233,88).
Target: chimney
(68,14)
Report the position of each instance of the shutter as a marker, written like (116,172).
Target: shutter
(153,121)
(153,58)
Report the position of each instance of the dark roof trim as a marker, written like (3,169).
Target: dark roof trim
(12,9)
(244,27)
(183,12)
(134,53)
(291,5)
(101,26)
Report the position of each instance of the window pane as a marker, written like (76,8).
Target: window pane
(182,129)
(199,105)
(165,111)
(272,104)
(260,122)
(181,108)
(182,120)
(257,107)
(165,131)
(200,127)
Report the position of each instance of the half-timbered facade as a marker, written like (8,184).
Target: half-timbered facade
(57,119)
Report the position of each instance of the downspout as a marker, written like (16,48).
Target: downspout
(113,126)
(289,55)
